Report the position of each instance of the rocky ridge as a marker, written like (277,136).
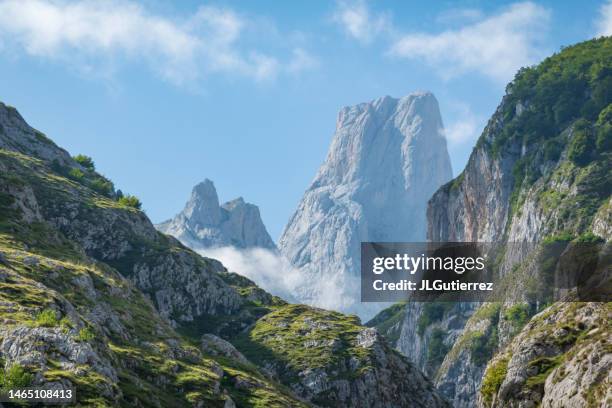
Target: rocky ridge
(204,223)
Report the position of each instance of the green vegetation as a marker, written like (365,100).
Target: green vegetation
(298,337)
(544,366)
(76,174)
(46,318)
(588,238)
(457,181)
(102,186)
(85,334)
(130,201)
(432,312)
(85,161)
(493,379)
(573,84)
(562,237)
(582,146)
(561,104)
(15,376)
(388,322)
(482,344)
(437,350)
(40,269)
(518,315)
(604,130)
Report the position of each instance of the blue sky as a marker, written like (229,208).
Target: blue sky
(164,94)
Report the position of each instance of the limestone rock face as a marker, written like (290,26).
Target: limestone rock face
(204,223)
(386,159)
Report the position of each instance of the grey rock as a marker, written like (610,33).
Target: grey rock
(214,345)
(17,135)
(203,223)
(386,159)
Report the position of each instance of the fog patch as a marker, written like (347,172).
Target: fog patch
(268,269)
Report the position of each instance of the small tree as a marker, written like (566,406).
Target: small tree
(85,161)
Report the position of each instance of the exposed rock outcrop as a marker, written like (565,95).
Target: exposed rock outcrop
(327,358)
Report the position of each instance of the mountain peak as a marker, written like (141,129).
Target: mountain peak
(203,207)
(204,223)
(386,159)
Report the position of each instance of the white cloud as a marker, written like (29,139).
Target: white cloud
(496,46)
(267,269)
(87,33)
(459,15)
(466,128)
(358,21)
(301,60)
(604,23)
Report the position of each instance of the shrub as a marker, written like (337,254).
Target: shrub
(482,346)
(130,201)
(604,138)
(552,150)
(437,349)
(432,312)
(46,318)
(582,146)
(65,324)
(604,130)
(561,237)
(85,161)
(589,238)
(76,174)
(102,186)
(517,314)
(15,377)
(543,366)
(85,334)
(493,379)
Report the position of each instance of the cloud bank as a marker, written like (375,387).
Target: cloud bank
(268,269)
(91,33)
(496,46)
(466,128)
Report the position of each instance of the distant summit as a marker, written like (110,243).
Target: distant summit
(386,159)
(204,223)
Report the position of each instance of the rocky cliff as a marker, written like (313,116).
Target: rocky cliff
(92,296)
(204,223)
(539,173)
(386,159)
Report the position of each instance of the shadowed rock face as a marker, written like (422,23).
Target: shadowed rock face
(204,223)
(386,159)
